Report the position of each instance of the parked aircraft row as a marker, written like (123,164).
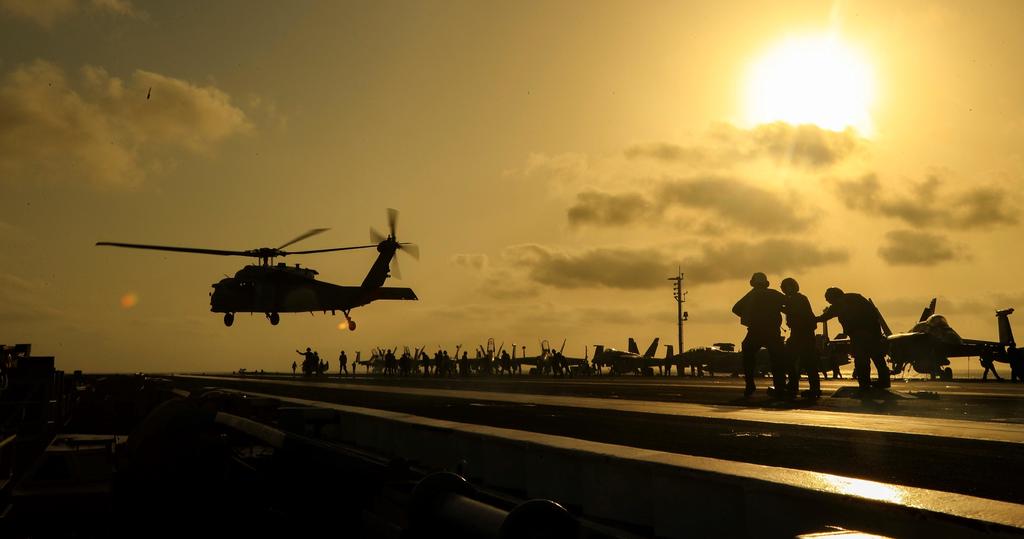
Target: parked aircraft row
(926,348)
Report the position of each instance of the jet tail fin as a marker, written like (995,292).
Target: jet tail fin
(633,348)
(928,311)
(1005,331)
(598,350)
(653,348)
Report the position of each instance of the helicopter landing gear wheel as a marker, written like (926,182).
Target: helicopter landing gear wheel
(274,318)
(229,318)
(351,323)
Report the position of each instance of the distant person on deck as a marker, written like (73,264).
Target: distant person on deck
(860,320)
(294,366)
(760,310)
(309,363)
(343,363)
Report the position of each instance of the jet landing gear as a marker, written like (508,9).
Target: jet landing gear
(351,323)
(274,318)
(229,318)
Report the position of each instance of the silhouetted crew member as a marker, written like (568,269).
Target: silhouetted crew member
(425,363)
(294,366)
(436,363)
(986,362)
(801,348)
(760,310)
(859,318)
(390,362)
(343,363)
(307,363)
(505,363)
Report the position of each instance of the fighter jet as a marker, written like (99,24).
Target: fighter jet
(928,346)
(621,362)
(722,358)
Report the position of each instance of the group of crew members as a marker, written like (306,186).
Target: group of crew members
(441,364)
(761,310)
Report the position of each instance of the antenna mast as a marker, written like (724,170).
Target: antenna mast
(680,296)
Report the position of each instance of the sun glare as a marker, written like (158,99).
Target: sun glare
(812,80)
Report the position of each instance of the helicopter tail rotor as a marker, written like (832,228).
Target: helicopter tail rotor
(411,249)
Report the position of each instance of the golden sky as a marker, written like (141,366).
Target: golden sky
(555,161)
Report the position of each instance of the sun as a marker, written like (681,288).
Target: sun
(812,80)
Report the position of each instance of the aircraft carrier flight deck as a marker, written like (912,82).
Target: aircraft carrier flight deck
(953,436)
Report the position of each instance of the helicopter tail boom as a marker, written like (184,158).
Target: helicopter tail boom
(393,292)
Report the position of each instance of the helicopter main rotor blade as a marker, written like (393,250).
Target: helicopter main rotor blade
(393,221)
(376,236)
(411,248)
(285,253)
(309,233)
(175,249)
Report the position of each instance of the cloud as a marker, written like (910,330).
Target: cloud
(737,260)
(46,12)
(737,202)
(806,145)
(727,200)
(103,129)
(928,204)
(914,248)
(473,261)
(504,285)
(663,151)
(565,168)
(646,268)
(593,207)
(616,267)
(497,282)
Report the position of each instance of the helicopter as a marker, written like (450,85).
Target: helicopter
(272,289)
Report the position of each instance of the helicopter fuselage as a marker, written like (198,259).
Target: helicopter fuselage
(290,289)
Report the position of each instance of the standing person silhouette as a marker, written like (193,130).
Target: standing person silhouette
(343,364)
(859,318)
(760,310)
(308,361)
(801,349)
